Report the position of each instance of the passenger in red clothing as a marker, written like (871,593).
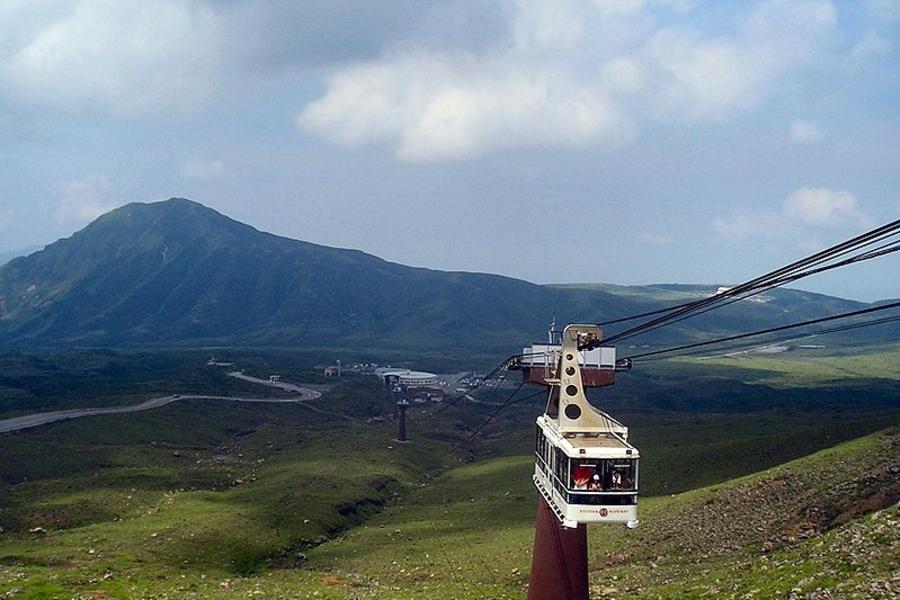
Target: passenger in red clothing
(580,477)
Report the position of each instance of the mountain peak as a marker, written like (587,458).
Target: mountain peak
(178,204)
(175,219)
(172,205)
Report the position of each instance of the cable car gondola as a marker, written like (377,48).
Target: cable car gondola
(584,466)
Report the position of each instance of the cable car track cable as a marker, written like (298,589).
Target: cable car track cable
(779,276)
(768,342)
(828,254)
(506,404)
(875,253)
(490,376)
(694,302)
(769,330)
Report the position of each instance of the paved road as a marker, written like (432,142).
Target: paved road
(302,393)
(35,420)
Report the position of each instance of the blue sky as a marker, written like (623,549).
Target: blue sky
(670,140)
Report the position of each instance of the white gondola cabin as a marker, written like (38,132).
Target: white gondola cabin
(586,477)
(584,466)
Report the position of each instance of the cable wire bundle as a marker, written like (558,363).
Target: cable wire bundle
(730,338)
(819,262)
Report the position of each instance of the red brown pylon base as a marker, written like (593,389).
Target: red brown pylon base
(559,566)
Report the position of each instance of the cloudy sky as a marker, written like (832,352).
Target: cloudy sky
(626,141)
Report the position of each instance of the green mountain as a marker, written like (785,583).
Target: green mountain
(179,272)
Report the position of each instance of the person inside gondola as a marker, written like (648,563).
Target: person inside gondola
(580,477)
(620,478)
(594,484)
(617,479)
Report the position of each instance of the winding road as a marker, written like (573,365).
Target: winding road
(303,395)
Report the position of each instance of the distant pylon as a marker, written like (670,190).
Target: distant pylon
(559,566)
(401,427)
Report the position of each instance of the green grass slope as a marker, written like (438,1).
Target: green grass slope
(824,522)
(190,491)
(221,500)
(33,382)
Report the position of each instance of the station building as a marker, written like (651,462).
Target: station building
(409,379)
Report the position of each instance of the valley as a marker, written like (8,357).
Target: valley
(205,498)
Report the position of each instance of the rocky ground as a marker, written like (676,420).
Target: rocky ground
(822,527)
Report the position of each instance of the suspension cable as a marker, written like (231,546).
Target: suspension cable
(876,253)
(770,341)
(507,403)
(780,276)
(845,315)
(674,307)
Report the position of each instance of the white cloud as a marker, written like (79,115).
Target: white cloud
(549,25)
(124,55)
(746,223)
(618,7)
(795,18)
(561,80)
(625,7)
(679,6)
(803,213)
(804,132)
(871,45)
(197,168)
(83,200)
(702,77)
(176,56)
(823,207)
(623,75)
(567,62)
(434,108)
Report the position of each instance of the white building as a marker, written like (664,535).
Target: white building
(407,378)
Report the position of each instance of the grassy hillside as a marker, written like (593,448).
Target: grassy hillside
(208,499)
(467,533)
(804,526)
(200,488)
(35,382)
(805,367)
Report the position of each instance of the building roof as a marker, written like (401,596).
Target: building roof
(407,374)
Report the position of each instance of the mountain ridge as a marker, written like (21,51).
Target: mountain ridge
(177,271)
(188,262)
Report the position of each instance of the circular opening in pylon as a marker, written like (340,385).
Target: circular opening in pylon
(570,370)
(572,411)
(571,390)
(569,357)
